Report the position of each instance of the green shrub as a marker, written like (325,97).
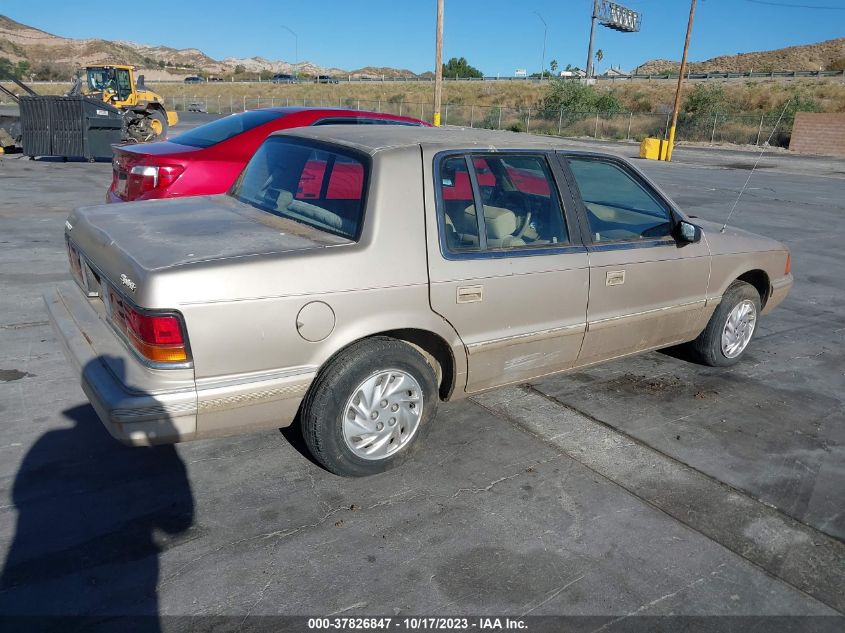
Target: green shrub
(706,99)
(796,102)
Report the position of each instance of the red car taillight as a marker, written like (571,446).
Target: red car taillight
(142,179)
(157,337)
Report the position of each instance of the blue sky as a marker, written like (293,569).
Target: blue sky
(496,36)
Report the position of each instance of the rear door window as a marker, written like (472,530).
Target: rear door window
(322,186)
(517,194)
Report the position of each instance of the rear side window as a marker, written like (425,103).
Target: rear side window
(322,186)
(518,197)
(225,128)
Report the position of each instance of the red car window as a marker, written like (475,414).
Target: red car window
(346,180)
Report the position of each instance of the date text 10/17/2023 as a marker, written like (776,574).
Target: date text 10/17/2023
(418,624)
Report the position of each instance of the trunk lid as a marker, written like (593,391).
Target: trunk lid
(136,239)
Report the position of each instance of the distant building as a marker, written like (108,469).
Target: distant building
(615,72)
(572,72)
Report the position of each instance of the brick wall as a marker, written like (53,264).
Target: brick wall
(818,133)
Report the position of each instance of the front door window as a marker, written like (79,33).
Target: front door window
(619,208)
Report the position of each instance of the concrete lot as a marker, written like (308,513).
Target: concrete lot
(647,486)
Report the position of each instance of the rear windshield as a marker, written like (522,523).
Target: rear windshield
(321,186)
(225,128)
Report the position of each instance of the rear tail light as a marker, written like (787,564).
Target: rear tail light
(788,267)
(142,179)
(158,337)
(75,263)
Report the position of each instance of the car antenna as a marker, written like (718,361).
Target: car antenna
(756,162)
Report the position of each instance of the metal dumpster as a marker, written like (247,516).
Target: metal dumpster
(69,127)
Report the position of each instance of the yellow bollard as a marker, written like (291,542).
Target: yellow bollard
(653,149)
(436,119)
(670,144)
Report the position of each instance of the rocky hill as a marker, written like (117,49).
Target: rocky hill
(827,55)
(50,55)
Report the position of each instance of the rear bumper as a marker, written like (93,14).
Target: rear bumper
(134,416)
(141,406)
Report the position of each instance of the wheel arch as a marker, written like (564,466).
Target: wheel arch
(761,282)
(430,344)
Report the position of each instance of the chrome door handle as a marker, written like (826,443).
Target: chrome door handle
(470,294)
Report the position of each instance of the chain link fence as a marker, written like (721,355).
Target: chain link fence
(635,126)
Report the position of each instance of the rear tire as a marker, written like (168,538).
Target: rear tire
(369,408)
(731,328)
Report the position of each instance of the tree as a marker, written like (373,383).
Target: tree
(599,57)
(459,67)
(7,68)
(239,69)
(577,101)
(553,66)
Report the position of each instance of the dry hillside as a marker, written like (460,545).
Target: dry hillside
(19,42)
(827,55)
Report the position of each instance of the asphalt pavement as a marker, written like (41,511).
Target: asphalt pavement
(646,486)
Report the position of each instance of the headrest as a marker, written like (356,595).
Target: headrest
(500,222)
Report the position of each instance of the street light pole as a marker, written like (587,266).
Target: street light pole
(438,65)
(543,58)
(677,105)
(592,35)
(295,51)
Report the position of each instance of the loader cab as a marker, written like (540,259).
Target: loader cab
(115,83)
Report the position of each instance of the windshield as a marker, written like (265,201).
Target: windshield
(225,128)
(101,79)
(323,187)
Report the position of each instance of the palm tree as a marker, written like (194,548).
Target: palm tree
(599,57)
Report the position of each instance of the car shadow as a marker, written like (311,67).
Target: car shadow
(93,516)
(293,435)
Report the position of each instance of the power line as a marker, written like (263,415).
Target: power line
(788,5)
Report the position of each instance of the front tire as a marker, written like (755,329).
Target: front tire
(731,328)
(369,408)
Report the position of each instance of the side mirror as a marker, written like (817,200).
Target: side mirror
(687,232)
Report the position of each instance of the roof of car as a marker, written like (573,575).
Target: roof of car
(374,138)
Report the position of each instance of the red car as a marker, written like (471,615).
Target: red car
(208,159)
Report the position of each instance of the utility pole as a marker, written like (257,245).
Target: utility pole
(543,57)
(295,51)
(676,107)
(592,34)
(438,65)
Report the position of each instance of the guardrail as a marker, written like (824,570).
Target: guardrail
(777,74)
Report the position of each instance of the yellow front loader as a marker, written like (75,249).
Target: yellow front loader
(145,116)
